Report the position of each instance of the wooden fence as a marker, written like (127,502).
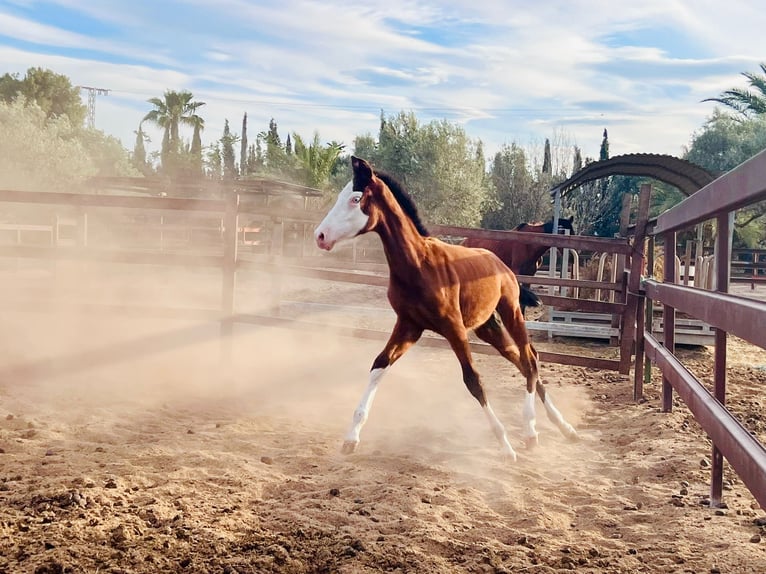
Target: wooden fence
(228,220)
(743,317)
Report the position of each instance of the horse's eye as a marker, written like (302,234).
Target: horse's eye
(356,199)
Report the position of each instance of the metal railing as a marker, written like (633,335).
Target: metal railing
(727,314)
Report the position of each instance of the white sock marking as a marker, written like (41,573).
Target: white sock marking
(528,412)
(499,430)
(363,409)
(556,418)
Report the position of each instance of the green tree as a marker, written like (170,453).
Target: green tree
(315,160)
(547,158)
(10,87)
(398,144)
(52,92)
(511,199)
(169,113)
(106,154)
(213,161)
(576,160)
(596,205)
(40,153)
(365,146)
(139,150)
(723,143)
(603,152)
(227,152)
(746,102)
(195,151)
(449,181)
(276,158)
(253,160)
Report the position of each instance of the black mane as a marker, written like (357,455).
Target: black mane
(404,200)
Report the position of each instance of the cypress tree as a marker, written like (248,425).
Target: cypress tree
(547,157)
(139,151)
(577,160)
(227,153)
(604,152)
(243,159)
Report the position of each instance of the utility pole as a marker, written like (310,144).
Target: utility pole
(92,93)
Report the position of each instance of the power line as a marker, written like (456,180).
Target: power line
(557,110)
(92,93)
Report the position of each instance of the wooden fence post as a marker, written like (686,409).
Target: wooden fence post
(276,252)
(229,274)
(629,318)
(643,372)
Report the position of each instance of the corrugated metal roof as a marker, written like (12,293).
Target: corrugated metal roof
(686,176)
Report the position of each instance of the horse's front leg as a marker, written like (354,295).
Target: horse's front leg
(458,340)
(402,338)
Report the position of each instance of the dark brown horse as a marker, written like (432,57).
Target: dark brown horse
(448,289)
(521,258)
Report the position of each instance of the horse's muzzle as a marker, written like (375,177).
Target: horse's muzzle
(323,242)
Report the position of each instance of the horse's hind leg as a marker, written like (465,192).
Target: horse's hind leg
(402,338)
(513,321)
(496,335)
(459,343)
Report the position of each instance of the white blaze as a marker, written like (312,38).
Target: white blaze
(344,221)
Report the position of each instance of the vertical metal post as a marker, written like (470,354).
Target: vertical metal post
(669,315)
(556,216)
(722,260)
(649,319)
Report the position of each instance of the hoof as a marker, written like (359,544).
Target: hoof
(530,442)
(509,456)
(349,447)
(573,436)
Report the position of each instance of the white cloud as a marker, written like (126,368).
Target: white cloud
(506,71)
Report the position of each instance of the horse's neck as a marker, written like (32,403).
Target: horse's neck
(402,243)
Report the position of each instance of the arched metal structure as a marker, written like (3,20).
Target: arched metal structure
(682,174)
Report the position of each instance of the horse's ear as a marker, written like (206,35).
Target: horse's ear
(362,172)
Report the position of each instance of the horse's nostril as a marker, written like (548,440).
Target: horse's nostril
(320,237)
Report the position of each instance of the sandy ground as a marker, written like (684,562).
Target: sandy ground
(116,458)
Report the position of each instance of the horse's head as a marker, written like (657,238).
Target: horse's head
(350,216)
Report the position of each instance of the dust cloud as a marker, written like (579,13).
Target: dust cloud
(127,444)
(64,357)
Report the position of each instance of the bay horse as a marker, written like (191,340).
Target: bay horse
(448,289)
(521,258)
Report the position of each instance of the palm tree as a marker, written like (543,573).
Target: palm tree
(744,101)
(169,112)
(316,161)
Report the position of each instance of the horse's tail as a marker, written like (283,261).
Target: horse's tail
(528,298)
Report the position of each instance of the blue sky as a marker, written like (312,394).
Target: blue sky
(507,70)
